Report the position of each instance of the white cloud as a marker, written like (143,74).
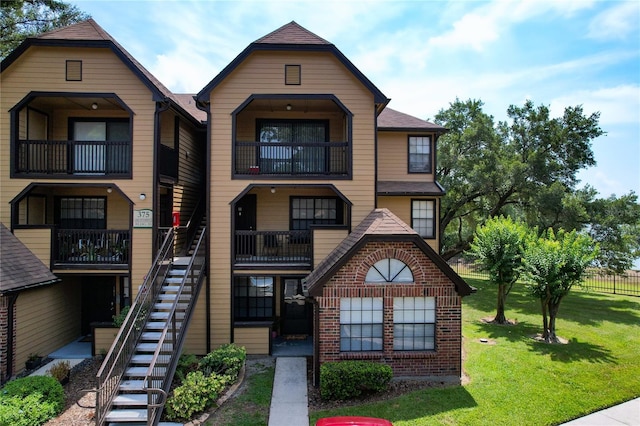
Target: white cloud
(616,22)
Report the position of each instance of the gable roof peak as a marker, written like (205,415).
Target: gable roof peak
(84,30)
(291,33)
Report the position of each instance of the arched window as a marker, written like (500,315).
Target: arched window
(389,271)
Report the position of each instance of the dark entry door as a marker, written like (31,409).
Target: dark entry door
(98,301)
(245,220)
(297,314)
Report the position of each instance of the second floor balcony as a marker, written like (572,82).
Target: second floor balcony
(90,248)
(273,248)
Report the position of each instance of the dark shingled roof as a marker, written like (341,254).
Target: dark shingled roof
(409,188)
(390,119)
(19,267)
(291,33)
(379,225)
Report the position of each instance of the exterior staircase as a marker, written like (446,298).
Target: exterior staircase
(136,375)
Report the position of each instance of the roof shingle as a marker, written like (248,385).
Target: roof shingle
(291,33)
(19,267)
(390,119)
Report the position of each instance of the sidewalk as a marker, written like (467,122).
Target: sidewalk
(289,401)
(627,413)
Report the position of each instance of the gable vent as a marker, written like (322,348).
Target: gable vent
(292,74)
(74,70)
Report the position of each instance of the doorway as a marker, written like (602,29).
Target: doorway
(296,312)
(98,301)
(245,220)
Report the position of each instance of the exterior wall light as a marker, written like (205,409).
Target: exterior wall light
(143,196)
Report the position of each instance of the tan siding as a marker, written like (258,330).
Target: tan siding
(324,241)
(254,339)
(196,340)
(46,319)
(38,241)
(103,339)
(393,161)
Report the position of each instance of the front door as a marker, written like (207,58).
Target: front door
(245,220)
(297,314)
(98,301)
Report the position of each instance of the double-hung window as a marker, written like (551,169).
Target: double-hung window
(253,298)
(361,324)
(419,154)
(414,321)
(423,217)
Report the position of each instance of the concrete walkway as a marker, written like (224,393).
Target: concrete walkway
(627,413)
(289,401)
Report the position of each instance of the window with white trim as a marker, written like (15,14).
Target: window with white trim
(361,324)
(423,217)
(389,271)
(414,320)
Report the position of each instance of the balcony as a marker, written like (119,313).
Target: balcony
(91,248)
(273,248)
(291,159)
(73,158)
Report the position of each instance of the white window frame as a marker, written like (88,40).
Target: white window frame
(423,217)
(361,324)
(414,323)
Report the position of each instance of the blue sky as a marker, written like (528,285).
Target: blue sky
(424,54)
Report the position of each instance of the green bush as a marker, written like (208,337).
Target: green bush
(30,401)
(349,379)
(227,359)
(197,392)
(186,364)
(50,389)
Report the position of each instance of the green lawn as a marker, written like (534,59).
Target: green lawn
(515,380)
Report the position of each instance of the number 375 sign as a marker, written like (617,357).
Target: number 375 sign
(143,218)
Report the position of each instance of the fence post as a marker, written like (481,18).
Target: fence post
(614,284)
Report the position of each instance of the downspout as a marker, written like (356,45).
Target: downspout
(161,106)
(10,332)
(206,107)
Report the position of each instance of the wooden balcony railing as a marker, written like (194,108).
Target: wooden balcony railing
(285,159)
(90,158)
(273,247)
(91,247)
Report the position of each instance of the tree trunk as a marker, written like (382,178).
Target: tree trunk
(545,322)
(554,306)
(500,317)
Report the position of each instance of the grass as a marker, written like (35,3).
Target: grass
(251,407)
(517,380)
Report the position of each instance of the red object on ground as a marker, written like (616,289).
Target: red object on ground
(353,421)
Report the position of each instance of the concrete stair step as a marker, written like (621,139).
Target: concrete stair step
(131,399)
(132,386)
(127,415)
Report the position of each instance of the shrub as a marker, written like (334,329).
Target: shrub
(30,401)
(186,364)
(227,359)
(197,392)
(118,320)
(349,379)
(30,410)
(60,370)
(48,387)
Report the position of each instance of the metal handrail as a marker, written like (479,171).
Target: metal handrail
(154,378)
(113,367)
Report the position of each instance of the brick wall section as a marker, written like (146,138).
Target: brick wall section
(4,337)
(429,281)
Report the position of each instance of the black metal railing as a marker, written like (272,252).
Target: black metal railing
(115,363)
(279,158)
(91,246)
(50,157)
(168,164)
(273,247)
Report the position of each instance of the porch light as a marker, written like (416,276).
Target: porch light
(289,107)
(273,189)
(109,190)
(94,105)
(143,196)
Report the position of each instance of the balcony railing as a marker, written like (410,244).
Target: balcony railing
(91,247)
(273,247)
(90,158)
(286,159)
(168,164)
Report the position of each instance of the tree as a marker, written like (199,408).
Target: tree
(498,248)
(524,168)
(552,265)
(25,18)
